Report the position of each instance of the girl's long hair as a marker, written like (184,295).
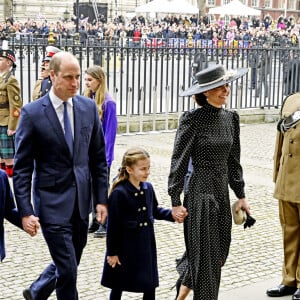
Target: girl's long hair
(130,158)
(98,73)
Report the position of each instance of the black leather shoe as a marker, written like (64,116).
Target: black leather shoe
(281,290)
(93,227)
(27,294)
(296,295)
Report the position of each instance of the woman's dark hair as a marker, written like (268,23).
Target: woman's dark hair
(200,99)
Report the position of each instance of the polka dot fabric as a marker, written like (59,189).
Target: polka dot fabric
(210,136)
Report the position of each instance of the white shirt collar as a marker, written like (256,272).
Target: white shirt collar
(56,101)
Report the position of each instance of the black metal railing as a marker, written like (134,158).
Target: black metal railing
(145,76)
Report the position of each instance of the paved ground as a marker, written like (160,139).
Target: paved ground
(254,263)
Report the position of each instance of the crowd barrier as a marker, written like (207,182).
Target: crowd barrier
(146,81)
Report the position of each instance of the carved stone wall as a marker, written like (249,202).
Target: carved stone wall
(54,10)
(22,9)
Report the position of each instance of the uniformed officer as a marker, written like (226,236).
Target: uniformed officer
(199,63)
(44,74)
(46,82)
(253,59)
(10,107)
(264,70)
(287,191)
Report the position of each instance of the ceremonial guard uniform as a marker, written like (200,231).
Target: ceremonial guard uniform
(287,191)
(46,82)
(10,107)
(43,84)
(37,90)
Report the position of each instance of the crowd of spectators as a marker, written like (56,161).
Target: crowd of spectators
(276,32)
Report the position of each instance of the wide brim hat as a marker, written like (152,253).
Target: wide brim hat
(212,77)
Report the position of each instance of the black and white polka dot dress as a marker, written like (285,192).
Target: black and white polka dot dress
(210,137)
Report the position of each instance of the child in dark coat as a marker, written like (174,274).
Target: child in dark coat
(131,259)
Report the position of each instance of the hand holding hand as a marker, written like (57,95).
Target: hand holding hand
(113,260)
(31,224)
(101,214)
(179,213)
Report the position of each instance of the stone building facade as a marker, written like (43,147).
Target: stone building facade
(272,9)
(35,9)
(53,10)
(59,9)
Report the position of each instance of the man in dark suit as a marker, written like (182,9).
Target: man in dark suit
(264,70)
(253,64)
(60,142)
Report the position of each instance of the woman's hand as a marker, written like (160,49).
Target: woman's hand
(179,213)
(244,205)
(113,260)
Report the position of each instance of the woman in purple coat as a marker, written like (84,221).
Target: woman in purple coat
(131,259)
(95,81)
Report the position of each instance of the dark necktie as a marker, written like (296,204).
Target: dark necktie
(68,130)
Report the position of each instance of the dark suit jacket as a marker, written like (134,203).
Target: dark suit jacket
(41,150)
(8,210)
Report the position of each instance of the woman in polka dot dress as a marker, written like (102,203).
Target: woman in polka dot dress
(209,136)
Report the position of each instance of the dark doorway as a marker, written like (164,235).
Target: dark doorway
(86,9)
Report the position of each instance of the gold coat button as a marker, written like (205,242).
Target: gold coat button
(136,194)
(144,207)
(141,224)
(139,209)
(145,224)
(142,193)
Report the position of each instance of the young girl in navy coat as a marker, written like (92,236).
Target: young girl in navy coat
(131,260)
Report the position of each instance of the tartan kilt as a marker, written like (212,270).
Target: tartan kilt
(7,144)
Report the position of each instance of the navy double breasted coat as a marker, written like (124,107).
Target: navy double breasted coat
(130,235)
(8,210)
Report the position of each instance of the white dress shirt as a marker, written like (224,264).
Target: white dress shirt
(59,109)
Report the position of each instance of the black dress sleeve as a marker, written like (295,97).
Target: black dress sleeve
(181,155)
(235,171)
